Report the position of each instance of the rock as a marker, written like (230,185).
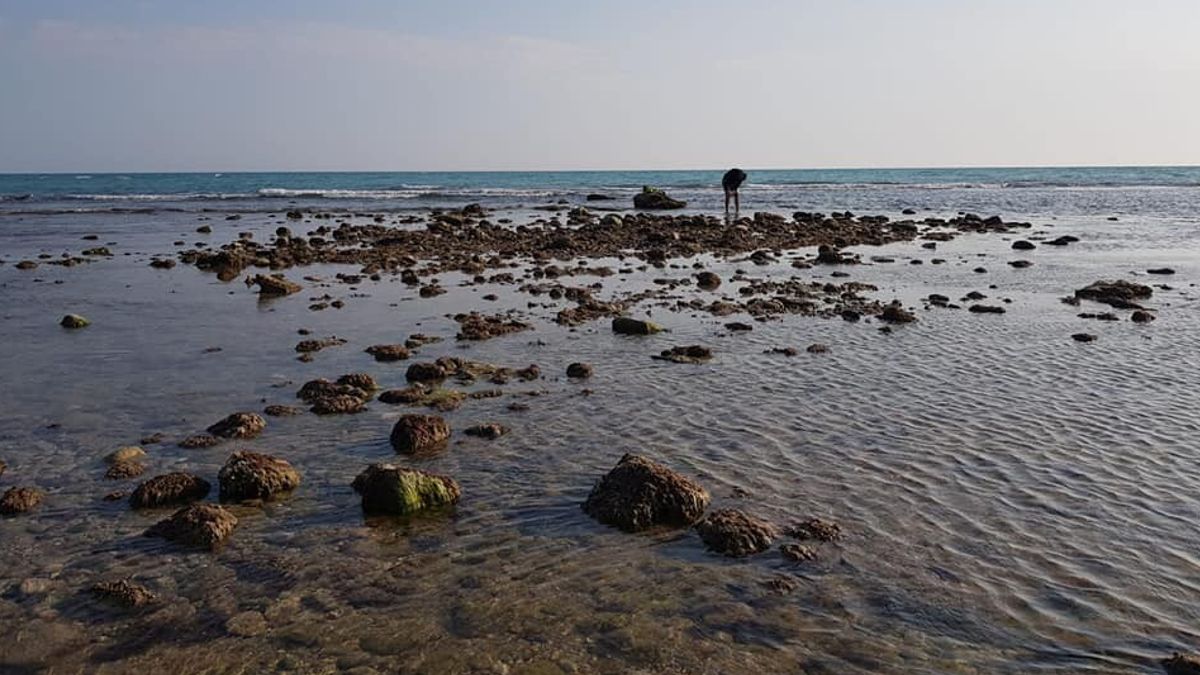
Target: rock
(829,255)
(735,533)
(738,327)
(362,381)
(162,263)
(199,525)
(640,493)
(197,441)
(708,280)
(579,371)
(784,351)
(74,321)
(168,490)
(313,390)
(490,431)
(694,354)
(19,500)
(986,309)
(414,434)
(1161,271)
(394,490)
(1142,316)
(654,198)
(282,411)
(1120,294)
(1022,245)
(239,425)
(275,285)
(1182,664)
(246,624)
(817,348)
(124,592)
(425,372)
(797,553)
(596,197)
(125,469)
(1083,337)
(204,229)
(250,475)
(476,327)
(339,404)
(895,313)
(627,326)
(3,466)
(814,528)
(1063,240)
(26,265)
(130,453)
(311,346)
(389,353)
(1020,264)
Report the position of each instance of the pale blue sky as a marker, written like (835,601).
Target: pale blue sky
(166,85)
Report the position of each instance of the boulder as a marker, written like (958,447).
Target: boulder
(250,475)
(74,321)
(640,493)
(708,280)
(239,425)
(168,490)
(653,198)
(735,533)
(627,326)
(895,313)
(425,372)
(199,525)
(1023,245)
(362,381)
(275,285)
(414,433)
(339,404)
(19,500)
(388,489)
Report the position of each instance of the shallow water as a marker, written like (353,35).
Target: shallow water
(1012,501)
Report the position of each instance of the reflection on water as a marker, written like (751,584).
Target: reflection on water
(1011,501)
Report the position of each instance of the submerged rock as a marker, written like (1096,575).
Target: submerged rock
(708,280)
(197,441)
(74,321)
(476,327)
(340,404)
(1142,316)
(735,533)
(490,431)
(130,468)
(124,592)
(797,553)
(689,354)
(169,489)
(250,475)
(895,313)
(130,453)
(627,326)
(19,500)
(640,493)
(239,425)
(815,528)
(425,372)
(362,381)
(1083,337)
(986,309)
(394,490)
(199,525)
(282,411)
(311,346)
(1023,245)
(413,433)
(389,353)
(1182,664)
(275,285)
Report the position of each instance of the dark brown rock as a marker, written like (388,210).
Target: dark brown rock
(204,526)
(1083,337)
(362,381)
(708,280)
(197,441)
(251,475)
(128,468)
(690,354)
(1120,294)
(425,372)
(640,493)
(169,490)
(814,528)
(1142,316)
(124,593)
(239,425)
(19,500)
(579,371)
(797,553)
(275,285)
(735,533)
(282,411)
(389,353)
(415,434)
(339,404)
(627,326)
(490,431)
(895,313)
(1182,664)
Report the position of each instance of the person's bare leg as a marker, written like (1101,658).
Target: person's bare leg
(727,203)
(737,204)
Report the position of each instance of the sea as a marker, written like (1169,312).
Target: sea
(1011,500)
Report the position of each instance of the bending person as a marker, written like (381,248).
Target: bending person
(731,181)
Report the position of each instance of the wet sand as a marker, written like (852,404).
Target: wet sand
(1010,500)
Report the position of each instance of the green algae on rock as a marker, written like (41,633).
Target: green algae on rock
(388,489)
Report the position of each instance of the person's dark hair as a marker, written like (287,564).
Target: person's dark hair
(733,179)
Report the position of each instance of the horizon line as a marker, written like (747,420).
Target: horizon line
(644,170)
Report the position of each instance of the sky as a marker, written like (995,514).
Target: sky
(220,85)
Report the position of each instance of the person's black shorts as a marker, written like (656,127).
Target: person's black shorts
(733,179)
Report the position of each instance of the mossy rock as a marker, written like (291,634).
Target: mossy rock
(388,489)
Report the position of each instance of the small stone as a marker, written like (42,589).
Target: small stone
(124,592)
(735,533)
(490,431)
(814,528)
(126,469)
(1083,337)
(197,441)
(1142,316)
(389,353)
(817,348)
(425,372)
(281,411)
(694,354)
(74,321)
(1022,245)
(627,326)
(895,313)
(579,371)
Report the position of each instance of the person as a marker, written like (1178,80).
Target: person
(731,181)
